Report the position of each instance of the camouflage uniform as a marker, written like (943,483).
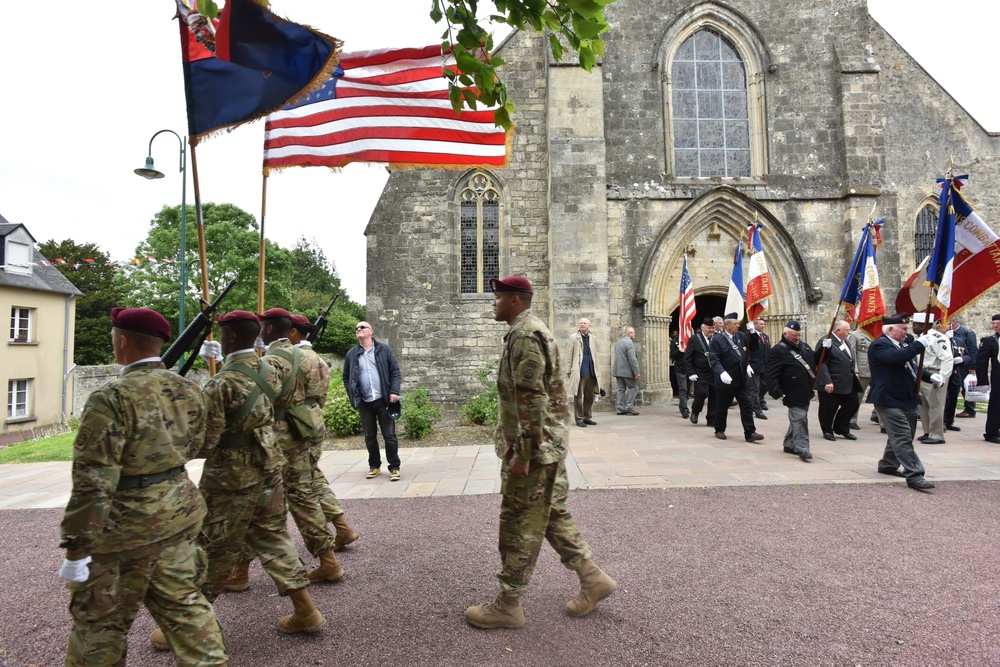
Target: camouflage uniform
(532,428)
(317,387)
(241,481)
(303,502)
(143,539)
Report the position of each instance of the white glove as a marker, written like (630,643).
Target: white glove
(259,344)
(211,349)
(693,378)
(959,360)
(751,328)
(926,340)
(75,570)
(949,333)
(937,379)
(749,372)
(827,343)
(726,378)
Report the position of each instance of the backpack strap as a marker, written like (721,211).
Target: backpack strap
(237,416)
(292,358)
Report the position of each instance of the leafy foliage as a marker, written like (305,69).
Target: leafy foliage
(419,415)
(483,408)
(340,418)
(102,291)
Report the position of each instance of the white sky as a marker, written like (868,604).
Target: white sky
(95,86)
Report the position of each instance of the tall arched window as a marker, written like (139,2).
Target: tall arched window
(923,236)
(711,123)
(480,233)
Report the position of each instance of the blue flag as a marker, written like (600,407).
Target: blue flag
(942,259)
(851,292)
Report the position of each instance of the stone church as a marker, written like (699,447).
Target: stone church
(700,116)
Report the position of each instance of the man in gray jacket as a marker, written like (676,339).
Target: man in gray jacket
(626,372)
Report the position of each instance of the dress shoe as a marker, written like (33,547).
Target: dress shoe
(685,414)
(934,441)
(995,439)
(924,437)
(620,413)
(754,437)
(633,413)
(848,436)
(805,455)
(874,418)
(763,406)
(590,422)
(694,417)
(788,450)
(721,435)
(920,484)
(854,426)
(895,472)
(882,430)
(581,423)
(829,436)
(951,427)
(760,415)
(965,414)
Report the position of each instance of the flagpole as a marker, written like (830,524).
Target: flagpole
(201,239)
(931,292)
(260,268)
(836,314)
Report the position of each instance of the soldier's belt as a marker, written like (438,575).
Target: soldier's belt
(282,415)
(130,482)
(237,441)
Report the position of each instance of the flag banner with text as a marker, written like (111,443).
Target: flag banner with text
(871,304)
(759,285)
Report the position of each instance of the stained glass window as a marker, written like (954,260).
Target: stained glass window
(923,237)
(480,234)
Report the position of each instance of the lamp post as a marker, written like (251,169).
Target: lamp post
(150,172)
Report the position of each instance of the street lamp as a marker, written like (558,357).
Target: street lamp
(150,172)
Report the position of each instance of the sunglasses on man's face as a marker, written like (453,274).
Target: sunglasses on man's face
(362,327)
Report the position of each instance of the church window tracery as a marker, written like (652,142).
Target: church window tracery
(480,233)
(923,236)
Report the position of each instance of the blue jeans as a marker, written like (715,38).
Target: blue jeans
(377,412)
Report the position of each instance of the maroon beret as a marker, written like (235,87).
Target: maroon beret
(237,315)
(274,313)
(511,284)
(141,320)
(301,322)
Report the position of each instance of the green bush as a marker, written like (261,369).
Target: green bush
(340,418)
(418,416)
(483,407)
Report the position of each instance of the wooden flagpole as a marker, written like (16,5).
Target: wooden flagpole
(260,267)
(201,241)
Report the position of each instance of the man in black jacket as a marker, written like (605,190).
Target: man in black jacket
(838,383)
(988,372)
(727,354)
(372,380)
(791,371)
(700,372)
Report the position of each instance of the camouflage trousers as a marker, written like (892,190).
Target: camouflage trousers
(250,521)
(163,576)
(533,509)
(321,487)
(300,494)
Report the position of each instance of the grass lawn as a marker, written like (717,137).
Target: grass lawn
(53,448)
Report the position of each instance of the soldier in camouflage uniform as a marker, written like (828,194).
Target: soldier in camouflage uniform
(131,525)
(317,388)
(293,415)
(531,443)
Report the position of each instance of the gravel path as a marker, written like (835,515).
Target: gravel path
(859,574)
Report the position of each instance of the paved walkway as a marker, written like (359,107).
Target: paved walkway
(657,449)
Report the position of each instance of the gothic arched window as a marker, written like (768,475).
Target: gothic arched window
(480,233)
(710,112)
(923,235)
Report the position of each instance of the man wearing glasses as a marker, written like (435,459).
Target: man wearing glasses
(372,380)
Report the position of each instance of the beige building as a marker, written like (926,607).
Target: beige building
(36,368)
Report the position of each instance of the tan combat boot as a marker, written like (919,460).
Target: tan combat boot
(504,612)
(345,534)
(159,640)
(595,585)
(306,617)
(329,569)
(239,578)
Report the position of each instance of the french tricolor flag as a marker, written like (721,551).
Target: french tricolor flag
(759,279)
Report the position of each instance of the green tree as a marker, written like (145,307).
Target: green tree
(101,292)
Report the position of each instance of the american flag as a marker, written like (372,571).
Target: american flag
(387,105)
(687,307)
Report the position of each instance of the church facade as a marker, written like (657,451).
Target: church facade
(700,117)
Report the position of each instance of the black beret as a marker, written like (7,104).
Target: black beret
(898,318)
(732,316)
(793,325)
(141,320)
(708,322)
(996,317)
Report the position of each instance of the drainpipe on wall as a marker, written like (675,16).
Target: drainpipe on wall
(67,369)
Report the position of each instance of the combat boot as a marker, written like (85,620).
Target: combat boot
(504,612)
(595,585)
(329,569)
(306,617)
(159,640)
(345,534)
(239,578)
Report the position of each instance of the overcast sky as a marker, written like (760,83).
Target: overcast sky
(83,94)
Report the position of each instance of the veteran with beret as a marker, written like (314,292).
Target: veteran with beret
(531,442)
(791,373)
(131,525)
(699,372)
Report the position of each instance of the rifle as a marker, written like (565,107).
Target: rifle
(319,326)
(195,333)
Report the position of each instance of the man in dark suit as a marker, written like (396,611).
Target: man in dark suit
(728,356)
(700,372)
(791,371)
(837,383)
(987,371)
(758,362)
(965,346)
(678,375)
(894,394)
